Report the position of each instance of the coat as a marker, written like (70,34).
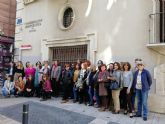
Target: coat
(145,79)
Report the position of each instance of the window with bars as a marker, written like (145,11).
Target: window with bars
(70,54)
(68,17)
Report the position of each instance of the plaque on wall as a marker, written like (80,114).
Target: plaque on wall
(28,1)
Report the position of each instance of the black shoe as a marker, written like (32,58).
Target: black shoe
(74,101)
(125,112)
(144,118)
(16,96)
(90,104)
(80,102)
(115,112)
(138,115)
(43,99)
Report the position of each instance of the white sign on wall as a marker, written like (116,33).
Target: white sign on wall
(28,1)
(32,25)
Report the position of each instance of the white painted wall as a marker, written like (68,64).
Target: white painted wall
(121,28)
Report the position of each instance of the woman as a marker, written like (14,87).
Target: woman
(103,79)
(127,84)
(19,71)
(66,80)
(46,89)
(46,69)
(37,79)
(8,88)
(110,101)
(96,84)
(30,71)
(116,78)
(141,83)
(29,87)
(55,78)
(90,83)
(11,70)
(75,78)
(81,84)
(19,87)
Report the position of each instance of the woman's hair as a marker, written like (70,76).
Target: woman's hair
(93,68)
(118,64)
(67,65)
(21,65)
(128,64)
(45,75)
(19,77)
(27,64)
(104,66)
(85,65)
(79,66)
(88,63)
(109,66)
(40,65)
(58,62)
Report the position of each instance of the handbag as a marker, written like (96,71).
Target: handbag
(107,85)
(114,85)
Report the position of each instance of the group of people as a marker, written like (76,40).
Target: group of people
(101,86)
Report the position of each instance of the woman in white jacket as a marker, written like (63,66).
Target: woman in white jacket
(8,88)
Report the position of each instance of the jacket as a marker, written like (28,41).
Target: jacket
(145,79)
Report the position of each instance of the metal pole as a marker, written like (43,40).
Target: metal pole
(25,113)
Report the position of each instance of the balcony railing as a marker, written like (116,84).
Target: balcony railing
(157,28)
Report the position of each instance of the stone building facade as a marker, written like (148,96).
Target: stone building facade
(111,30)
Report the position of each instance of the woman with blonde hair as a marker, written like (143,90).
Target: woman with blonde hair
(81,83)
(90,84)
(19,71)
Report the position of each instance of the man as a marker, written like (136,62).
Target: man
(141,83)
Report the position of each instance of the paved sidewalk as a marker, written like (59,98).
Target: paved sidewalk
(98,117)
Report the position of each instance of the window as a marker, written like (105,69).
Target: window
(69,54)
(68,17)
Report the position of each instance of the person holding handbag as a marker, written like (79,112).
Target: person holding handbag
(116,86)
(103,79)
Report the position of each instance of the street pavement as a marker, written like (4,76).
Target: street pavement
(53,112)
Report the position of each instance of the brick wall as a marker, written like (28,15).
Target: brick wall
(7,17)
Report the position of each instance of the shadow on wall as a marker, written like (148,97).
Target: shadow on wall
(123,24)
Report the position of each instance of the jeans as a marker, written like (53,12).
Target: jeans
(75,93)
(142,97)
(96,94)
(5,93)
(90,93)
